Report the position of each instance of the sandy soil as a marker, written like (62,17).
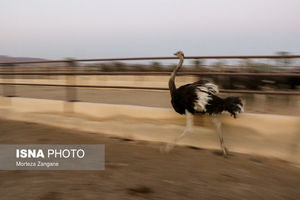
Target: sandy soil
(137,170)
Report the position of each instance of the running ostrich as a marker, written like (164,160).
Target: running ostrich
(200,97)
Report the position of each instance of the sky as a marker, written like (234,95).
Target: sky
(56,29)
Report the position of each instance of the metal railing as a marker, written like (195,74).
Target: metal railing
(152,58)
(152,73)
(71,86)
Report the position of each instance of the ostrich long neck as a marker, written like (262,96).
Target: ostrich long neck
(172,85)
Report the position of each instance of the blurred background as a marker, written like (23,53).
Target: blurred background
(268,83)
(55,30)
(96,72)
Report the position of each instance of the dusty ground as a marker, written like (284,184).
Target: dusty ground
(137,170)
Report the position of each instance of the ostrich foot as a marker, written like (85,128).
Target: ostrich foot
(225,152)
(167,148)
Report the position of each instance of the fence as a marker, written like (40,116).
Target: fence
(71,86)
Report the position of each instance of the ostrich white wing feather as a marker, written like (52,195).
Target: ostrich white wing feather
(210,87)
(202,99)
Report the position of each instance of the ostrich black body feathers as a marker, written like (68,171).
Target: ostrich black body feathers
(201,97)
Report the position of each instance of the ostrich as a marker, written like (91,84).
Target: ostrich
(200,97)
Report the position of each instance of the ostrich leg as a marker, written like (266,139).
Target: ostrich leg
(217,124)
(189,126)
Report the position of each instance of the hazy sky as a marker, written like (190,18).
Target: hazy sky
(127,28)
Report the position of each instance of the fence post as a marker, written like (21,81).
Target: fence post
(9,90)
(71,92)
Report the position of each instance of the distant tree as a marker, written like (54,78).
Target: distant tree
(105,67)
(119,66)
(156,66)
(283,62)
(219,65)
(197,64)
(139,67)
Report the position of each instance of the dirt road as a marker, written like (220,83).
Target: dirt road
(137,170)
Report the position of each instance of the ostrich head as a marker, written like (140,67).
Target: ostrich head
(179,54)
